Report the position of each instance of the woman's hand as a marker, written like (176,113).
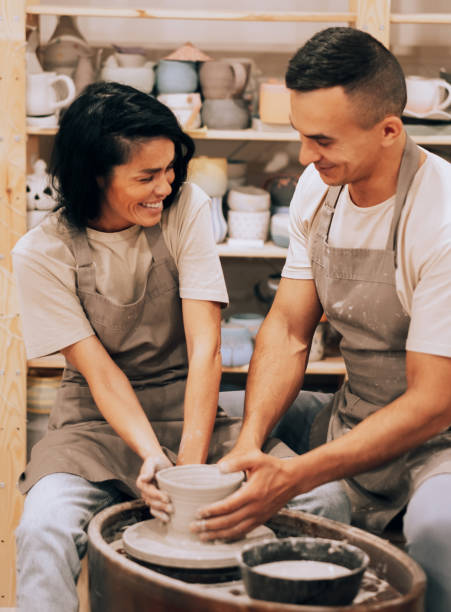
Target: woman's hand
(159,502)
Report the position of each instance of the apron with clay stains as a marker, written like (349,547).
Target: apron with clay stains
(357,290)
(146,340)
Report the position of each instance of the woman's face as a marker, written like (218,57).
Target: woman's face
(135,191)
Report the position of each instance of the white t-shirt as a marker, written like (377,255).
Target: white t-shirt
(423,275)
(51,312)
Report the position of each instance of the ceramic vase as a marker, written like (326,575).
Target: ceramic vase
(176,76)
(236,345)
(225,114)
(217,220)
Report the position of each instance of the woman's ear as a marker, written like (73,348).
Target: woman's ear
(100,182)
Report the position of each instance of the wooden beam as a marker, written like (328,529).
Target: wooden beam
(373,16)
(12,226)
(193,15)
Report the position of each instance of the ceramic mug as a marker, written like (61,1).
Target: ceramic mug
(43,97)
(426,95)
(222,79)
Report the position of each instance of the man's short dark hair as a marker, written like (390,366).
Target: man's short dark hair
(101,129)
(356,61)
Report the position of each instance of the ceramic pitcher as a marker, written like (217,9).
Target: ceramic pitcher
(42,95)
(222,79)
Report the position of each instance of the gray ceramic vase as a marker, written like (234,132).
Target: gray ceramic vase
(226,114)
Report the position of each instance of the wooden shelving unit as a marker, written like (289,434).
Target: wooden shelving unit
(372,16)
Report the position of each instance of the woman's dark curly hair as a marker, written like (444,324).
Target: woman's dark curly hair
(100,130)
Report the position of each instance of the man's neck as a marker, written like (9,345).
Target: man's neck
(381,183)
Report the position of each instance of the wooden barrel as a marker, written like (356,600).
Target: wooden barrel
(119,583)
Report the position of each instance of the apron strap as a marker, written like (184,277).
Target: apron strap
(156,242)
(407,170)
(85,276)
(330,202)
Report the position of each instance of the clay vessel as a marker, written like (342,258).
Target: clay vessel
(227,114)
(222,79)
(176,77)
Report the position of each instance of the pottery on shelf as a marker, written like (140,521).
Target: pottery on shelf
(318,344)
(191,487)
(248,198)
(248,225)
(65,47)
(176,76)
(186,107)
(210,173)
(222,79)
(140,77)
(43,96)
(236,345)
(274,103)
(282,188)
(279,229)
(250,320)
(225,114)
(39,191)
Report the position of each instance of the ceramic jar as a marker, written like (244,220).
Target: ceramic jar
(236,345)
(248,225)
(65,47)
(226,114)
(176,76)
(249,320)
(210,173)
(279,229)
(222,79)
(248,199)
(141,77)
(274,103)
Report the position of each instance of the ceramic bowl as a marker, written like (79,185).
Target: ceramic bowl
(225,114)
(183,105)
(323,590)
(249,320)
(248,199)
(248,225)
(141,78)
(191,487)
(279,229)
(236,345)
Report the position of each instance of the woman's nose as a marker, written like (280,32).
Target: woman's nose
(308,152)
(163,186)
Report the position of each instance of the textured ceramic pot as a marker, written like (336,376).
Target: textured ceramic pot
(176,77)
(236,345)
(222,79)
(190,487)
(248,225)
(228,114)
(210,173)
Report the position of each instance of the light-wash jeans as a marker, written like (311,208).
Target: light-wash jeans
(51,539)
(427,521)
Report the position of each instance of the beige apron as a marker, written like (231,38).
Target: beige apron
(146,340)
(357,290)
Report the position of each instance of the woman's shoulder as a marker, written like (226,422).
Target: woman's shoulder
(190,200)
(49,238)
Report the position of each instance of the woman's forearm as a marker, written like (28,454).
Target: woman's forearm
(201,405)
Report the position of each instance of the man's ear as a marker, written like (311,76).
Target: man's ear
(392,128)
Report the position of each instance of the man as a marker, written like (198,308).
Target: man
(371,247)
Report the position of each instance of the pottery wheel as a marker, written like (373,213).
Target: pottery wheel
(148,541)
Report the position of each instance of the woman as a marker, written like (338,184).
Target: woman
(124,280)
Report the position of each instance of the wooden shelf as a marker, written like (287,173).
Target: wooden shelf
(269,250)
(329,365)
(422,134)
(194,15)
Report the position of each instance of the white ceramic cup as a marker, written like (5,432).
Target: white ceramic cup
(43,97)
(191,487)
(426,95)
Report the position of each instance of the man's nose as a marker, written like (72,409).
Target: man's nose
(309,152)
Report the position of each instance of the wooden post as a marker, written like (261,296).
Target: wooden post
(12,226)
(373,16)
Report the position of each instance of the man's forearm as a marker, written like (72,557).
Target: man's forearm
(276,374)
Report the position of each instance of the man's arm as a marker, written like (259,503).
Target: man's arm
(421,412)
(276,370)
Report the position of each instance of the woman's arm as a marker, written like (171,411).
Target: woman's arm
(202,323)
(114,395)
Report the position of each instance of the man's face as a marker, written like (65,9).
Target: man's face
(332,138)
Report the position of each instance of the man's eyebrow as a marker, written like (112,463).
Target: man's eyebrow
(311,136)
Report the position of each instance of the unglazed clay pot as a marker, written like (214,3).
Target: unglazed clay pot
(222,79)
(191,487)
(227,114)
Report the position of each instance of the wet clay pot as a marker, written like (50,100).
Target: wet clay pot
(119,583)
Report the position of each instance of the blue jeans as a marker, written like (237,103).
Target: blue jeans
(51,539)
(427,521)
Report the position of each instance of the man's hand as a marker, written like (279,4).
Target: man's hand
(269,486)
(159,502)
